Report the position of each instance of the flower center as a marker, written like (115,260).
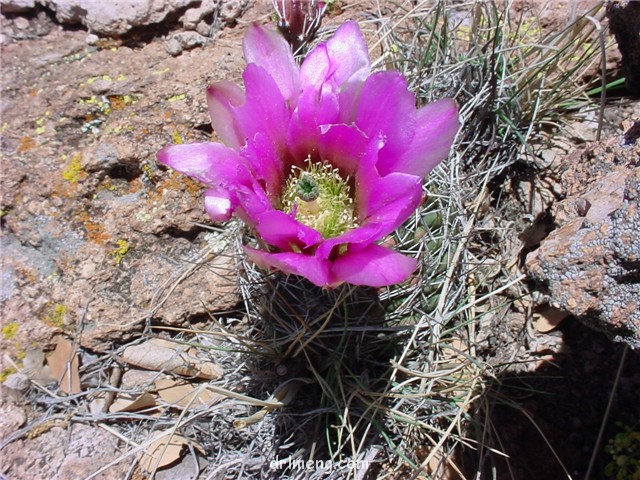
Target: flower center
(320,198)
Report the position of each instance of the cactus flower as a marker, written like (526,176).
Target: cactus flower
(322,160)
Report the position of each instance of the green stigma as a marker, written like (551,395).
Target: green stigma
(307,188)
(321,198)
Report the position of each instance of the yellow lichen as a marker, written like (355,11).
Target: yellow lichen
(55,317)
(176,98)
(10,330)
(101,102)
(121,250)
(148,171)
(177,138)
(40,128)
(5,373)
(73,171)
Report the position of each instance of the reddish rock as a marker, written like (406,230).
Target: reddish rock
(590,264)
(94,233)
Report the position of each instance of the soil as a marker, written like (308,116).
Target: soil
(93,228)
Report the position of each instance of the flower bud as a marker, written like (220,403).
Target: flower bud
(299,20)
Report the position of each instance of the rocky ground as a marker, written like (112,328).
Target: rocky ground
(99,242)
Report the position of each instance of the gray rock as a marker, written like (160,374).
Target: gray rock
(173,46)
(184,41)
(231,10)
(16,385)
(192,16)
(117,16)
(590,264)
(205,29)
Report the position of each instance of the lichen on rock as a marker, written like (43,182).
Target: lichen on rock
(590,264)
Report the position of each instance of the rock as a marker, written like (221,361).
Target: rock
(624,23)
(117,16)
(231,10)
(184,41)
(12,417)
(173,46)
(16,385)
(21,23)
(61,453)
(192,16)
(205,29)
(17,6)
(590,264)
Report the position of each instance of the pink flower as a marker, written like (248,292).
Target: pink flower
(322,160)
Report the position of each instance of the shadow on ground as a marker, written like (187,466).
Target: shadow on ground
(547,422)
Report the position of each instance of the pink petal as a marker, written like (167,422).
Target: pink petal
(317,105)
(222,169)
(374,266)
(269,50)
(348,54)
(389,200)
(282,231)
(252,202)
(308,266)
(332,68)
(437,125)
(218,204)
(316,69)
(387,108)
(385,201)
(223,98)
(356,239)
(265,161)
(210,163)
(342,145)
(265,110)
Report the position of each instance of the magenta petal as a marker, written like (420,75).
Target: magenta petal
(316,69)
(342,59)
(391,199)
(356,239)
(264,110)
(265,161)
(437,125)
(223,98)
(269,50)
(282,231)
(308,266)
(387,108)
(210,163)
(374,266)
(317,105)
(218,204)
(349,54)
(385,201)
(344,145)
